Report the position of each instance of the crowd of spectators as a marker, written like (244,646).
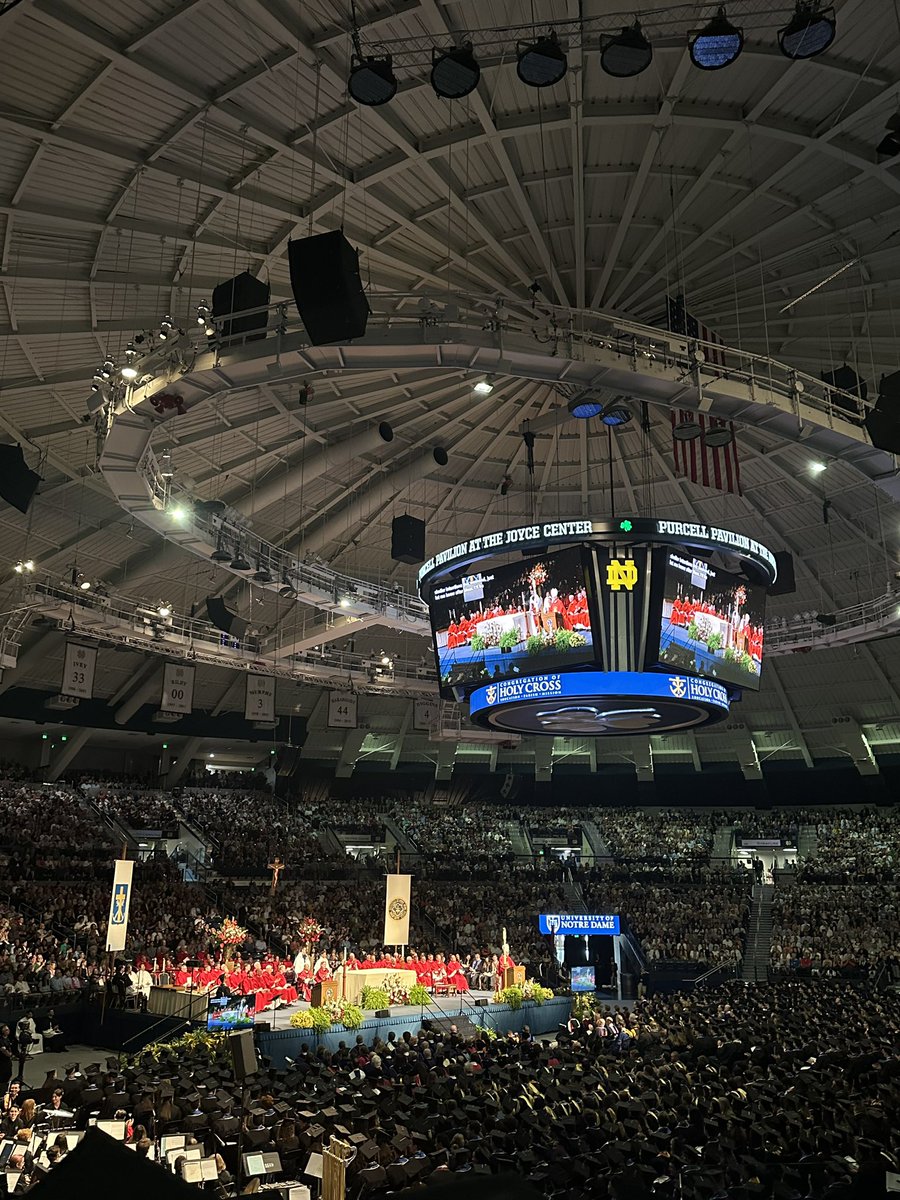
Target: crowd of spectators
(48,832)
(668,837)
(783,1091)
(836,929)
(858,843)
(456,830)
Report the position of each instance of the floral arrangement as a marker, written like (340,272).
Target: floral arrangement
(375,997)
(310,930)
(229,933)
(419,995)
(397,993)
(212,1043)
(320,1020)
(538,575)
(516,995)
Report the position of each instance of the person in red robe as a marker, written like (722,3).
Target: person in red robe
(456,978)
(439,974)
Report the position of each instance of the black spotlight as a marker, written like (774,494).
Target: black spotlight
(454,73)
(372,81)
(718,45)
(810,31)
(626,53)
(542,63)
(239,563)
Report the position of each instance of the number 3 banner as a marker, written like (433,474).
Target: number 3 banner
(178,688)
(78,671)
(260,700)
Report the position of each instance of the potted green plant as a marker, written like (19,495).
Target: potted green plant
(477,643)
(693,631)
(534,644)
(714,642)
(508,639)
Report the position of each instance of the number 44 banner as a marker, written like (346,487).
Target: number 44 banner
(342,710)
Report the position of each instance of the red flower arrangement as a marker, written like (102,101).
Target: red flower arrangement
(229,933)
(310,931)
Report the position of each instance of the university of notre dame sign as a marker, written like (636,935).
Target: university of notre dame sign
(621,574)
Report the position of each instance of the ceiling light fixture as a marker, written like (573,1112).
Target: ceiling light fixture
(686,431)
(166,470)
(484,387)
(239,563)
(166,328)
(372,81)
(809,32)
(626,54)
(585,407)
(718,436)
(220,554)
(262,574)
(129,370)
(164,611)
(21,567)
(617,414)
(817,467)
(542,63)
(85,585)
(454,72)
(717,45)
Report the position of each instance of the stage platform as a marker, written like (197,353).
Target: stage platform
(281,1042)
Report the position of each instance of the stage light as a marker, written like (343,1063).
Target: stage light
(385,661)
(204,318)
(179,513)
(262,574)
(542,63)
(211,755)
(686,431)
(810,31)
(239,563)
(626,53)
(166,469)
(220,554)
(164,611)
(617,414)
(372,81)
(166,328)
(454,73)
(129,370)
(85,585)
(106,370)
(584,407)
(718,436)
(344,602)
(484,387)
(717,45)
(817,467)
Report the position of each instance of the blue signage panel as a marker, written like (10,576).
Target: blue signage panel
(577,924)
(581,684)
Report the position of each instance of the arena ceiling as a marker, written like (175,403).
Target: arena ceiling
(151,150)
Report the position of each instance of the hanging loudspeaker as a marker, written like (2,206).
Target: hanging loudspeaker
(243,1054)
(407,539)
(18,482)
(327,288)
(241,295)
(785,584)
(228,622)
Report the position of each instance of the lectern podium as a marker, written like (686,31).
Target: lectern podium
(511,976)
(323,993)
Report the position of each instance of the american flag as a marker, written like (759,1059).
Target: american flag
(679,320)
(711,466)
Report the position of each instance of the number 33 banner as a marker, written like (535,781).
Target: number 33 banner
(78,671)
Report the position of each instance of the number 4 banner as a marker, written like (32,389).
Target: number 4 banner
(342,710)
(260,701)
(78,671)
(178,688)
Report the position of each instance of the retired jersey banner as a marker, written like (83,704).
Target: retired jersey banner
(260,700)
(396,910)
(78,671)
(119,904)
(178,688)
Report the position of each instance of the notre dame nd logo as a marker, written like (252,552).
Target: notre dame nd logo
(621,574)
(397,909)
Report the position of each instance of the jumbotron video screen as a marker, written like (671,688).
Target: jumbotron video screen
(712,622)
(520,618)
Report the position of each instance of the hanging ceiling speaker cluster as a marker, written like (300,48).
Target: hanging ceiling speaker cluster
(455,72)
(716,436)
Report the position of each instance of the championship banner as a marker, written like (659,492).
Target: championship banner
(178,688)
(119,904)
(260,699)
(396,910)
(78,671)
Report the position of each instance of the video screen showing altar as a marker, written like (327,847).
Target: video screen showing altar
(522,618)
(712,622)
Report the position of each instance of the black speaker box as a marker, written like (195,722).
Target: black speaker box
(243,1054)
(785,584)
(408,539)
(238,295)
(883,427)
(847,380)
(574,951)
(382,1012)
(327,288)
(18,482)
(219,616)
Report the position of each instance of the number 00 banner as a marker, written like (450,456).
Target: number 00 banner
(78,671)
(178,688)
(396,910)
